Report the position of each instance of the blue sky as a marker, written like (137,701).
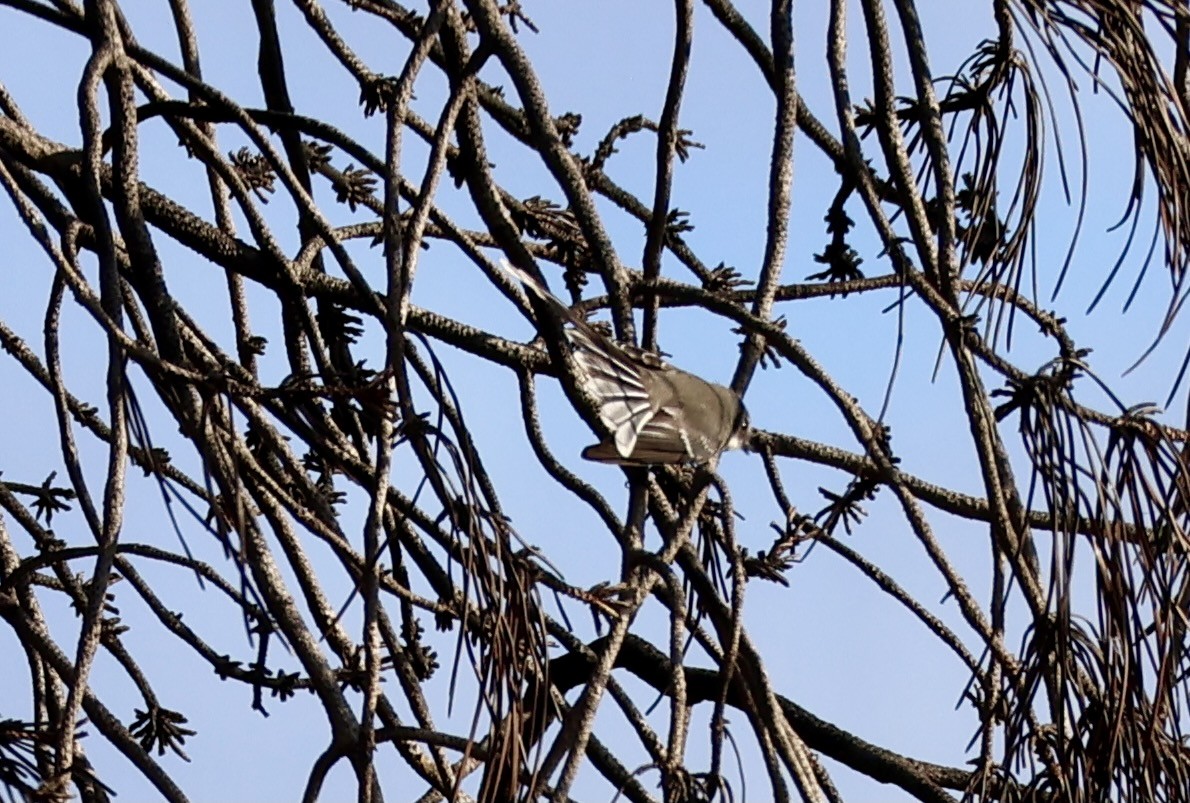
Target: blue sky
(833,643)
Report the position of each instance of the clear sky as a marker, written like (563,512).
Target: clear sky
(832,642)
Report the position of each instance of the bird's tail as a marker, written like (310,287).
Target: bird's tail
(534,286)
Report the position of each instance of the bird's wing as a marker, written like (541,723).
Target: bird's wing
(617,384)
(646,453)
(613,377)
(663,439)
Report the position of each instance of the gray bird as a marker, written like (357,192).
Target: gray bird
(655,412)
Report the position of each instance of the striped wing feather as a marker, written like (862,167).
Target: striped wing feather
(625,406)
(662,440)
(644,430)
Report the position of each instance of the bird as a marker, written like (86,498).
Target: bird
(655,413)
